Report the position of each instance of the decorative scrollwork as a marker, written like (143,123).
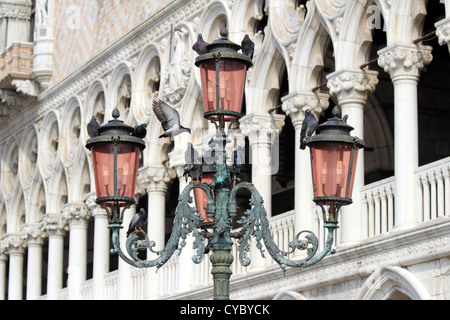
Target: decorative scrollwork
(255,223)
(186,221)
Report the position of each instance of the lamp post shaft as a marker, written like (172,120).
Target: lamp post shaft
(221,258)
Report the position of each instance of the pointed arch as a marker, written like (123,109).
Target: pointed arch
(390,282)
(310,50)
(265,77)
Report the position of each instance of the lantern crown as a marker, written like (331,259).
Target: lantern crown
(335,129)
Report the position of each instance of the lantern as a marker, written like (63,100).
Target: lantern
(115,157)
(201,199)
(223,71)
(334,154)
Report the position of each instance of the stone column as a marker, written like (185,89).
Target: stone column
(32,233)
(77,216)
(3,261)
(125,285)
(263,133)
(155,179)
(15,247)
(295,105)
(351,88)
(101,247)
(54,226)
(404,63)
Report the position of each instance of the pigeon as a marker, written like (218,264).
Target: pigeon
(169,118)
(92,127)
(200,45)
(140,131)
(193,167)
(138,221)
(248,46)
(309,125)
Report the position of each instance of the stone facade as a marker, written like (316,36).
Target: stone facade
(363,55)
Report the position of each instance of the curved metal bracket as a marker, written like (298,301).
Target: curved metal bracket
(255,223)
(186,220)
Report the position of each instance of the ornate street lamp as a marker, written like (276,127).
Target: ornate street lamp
(115,150)
(333,154)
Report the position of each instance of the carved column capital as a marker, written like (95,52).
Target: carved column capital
(443,31)
(94,207)
(76,214)
(54,224)
(295,105)
(404,62)
(261,128)
(155,178)
(32,233)
(13,243)
(352,85)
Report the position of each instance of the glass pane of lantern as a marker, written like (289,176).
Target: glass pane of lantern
(231,85)
(201,199)
(331,163)
(127,164)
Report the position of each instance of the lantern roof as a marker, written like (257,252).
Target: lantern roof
(335,129)
(223,48)
(116,131)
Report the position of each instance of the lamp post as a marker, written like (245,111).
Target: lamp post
(223,70)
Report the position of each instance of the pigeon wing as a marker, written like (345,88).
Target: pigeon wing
(168,116)
(133,224)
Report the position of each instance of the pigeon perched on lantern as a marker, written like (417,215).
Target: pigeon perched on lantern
(309,125)
(200,45)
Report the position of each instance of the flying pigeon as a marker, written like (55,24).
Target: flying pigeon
(200,45)
(138,221)
(309,125)
(193,167)
(140,131)
(92,127)
(169,118)
(248,46)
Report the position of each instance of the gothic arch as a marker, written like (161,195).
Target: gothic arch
(95,92)
(28,156)
(310,50)
(70,137)
(391,283)
(244,15)
(10,168)
(57,192)
(214,17)
(48,144)
(265,76)
(36,202)
(289,295)
(16,213)
(119,91)
(148,73)
(405,20)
